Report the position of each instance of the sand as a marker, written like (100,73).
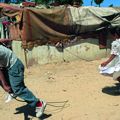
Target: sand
(74,91)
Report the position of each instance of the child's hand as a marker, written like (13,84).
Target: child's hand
(7,88)
(104,64)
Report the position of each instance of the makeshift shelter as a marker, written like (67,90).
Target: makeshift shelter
(36,27)
(42,26)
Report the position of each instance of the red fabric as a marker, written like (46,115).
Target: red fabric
(39,104)
(102,39)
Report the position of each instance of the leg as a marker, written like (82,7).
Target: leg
(118,79)
(116,76)
(16,78)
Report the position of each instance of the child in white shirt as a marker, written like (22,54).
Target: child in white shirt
(112,65)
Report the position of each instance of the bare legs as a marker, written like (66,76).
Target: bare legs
(118,79)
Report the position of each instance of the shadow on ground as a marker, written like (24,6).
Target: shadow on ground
(29,113)
(112,90)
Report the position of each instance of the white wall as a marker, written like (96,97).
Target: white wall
(87,49)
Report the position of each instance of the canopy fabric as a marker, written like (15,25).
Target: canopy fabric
(44,26)
(94,18)
(9,10)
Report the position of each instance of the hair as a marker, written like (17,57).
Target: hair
(112,30)
(115,30)
(118,31)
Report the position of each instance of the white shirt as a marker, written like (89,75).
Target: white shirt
(114,65)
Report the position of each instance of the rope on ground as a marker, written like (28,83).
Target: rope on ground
(51,103)
(76,55)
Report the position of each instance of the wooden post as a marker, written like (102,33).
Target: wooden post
(26,61)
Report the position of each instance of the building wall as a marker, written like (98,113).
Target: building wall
(87,49)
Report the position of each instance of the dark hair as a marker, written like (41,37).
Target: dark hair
(118,31)
(112,30)
(115,30)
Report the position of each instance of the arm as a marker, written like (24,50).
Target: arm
(112,56)
(4,84)
(5,40)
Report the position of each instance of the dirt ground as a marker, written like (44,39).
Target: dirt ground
(73,90)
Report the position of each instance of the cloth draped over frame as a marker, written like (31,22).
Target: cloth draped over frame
(14,15)
(41,26)
(52,25)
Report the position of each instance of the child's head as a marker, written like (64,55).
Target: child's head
(112,30)
(118,31)
(115,32)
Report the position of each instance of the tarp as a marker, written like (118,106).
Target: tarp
(41,26)
(94,18)
(44,26)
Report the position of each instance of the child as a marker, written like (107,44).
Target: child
(112,65)
(14,70)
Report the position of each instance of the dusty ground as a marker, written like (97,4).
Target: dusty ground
(76,91)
